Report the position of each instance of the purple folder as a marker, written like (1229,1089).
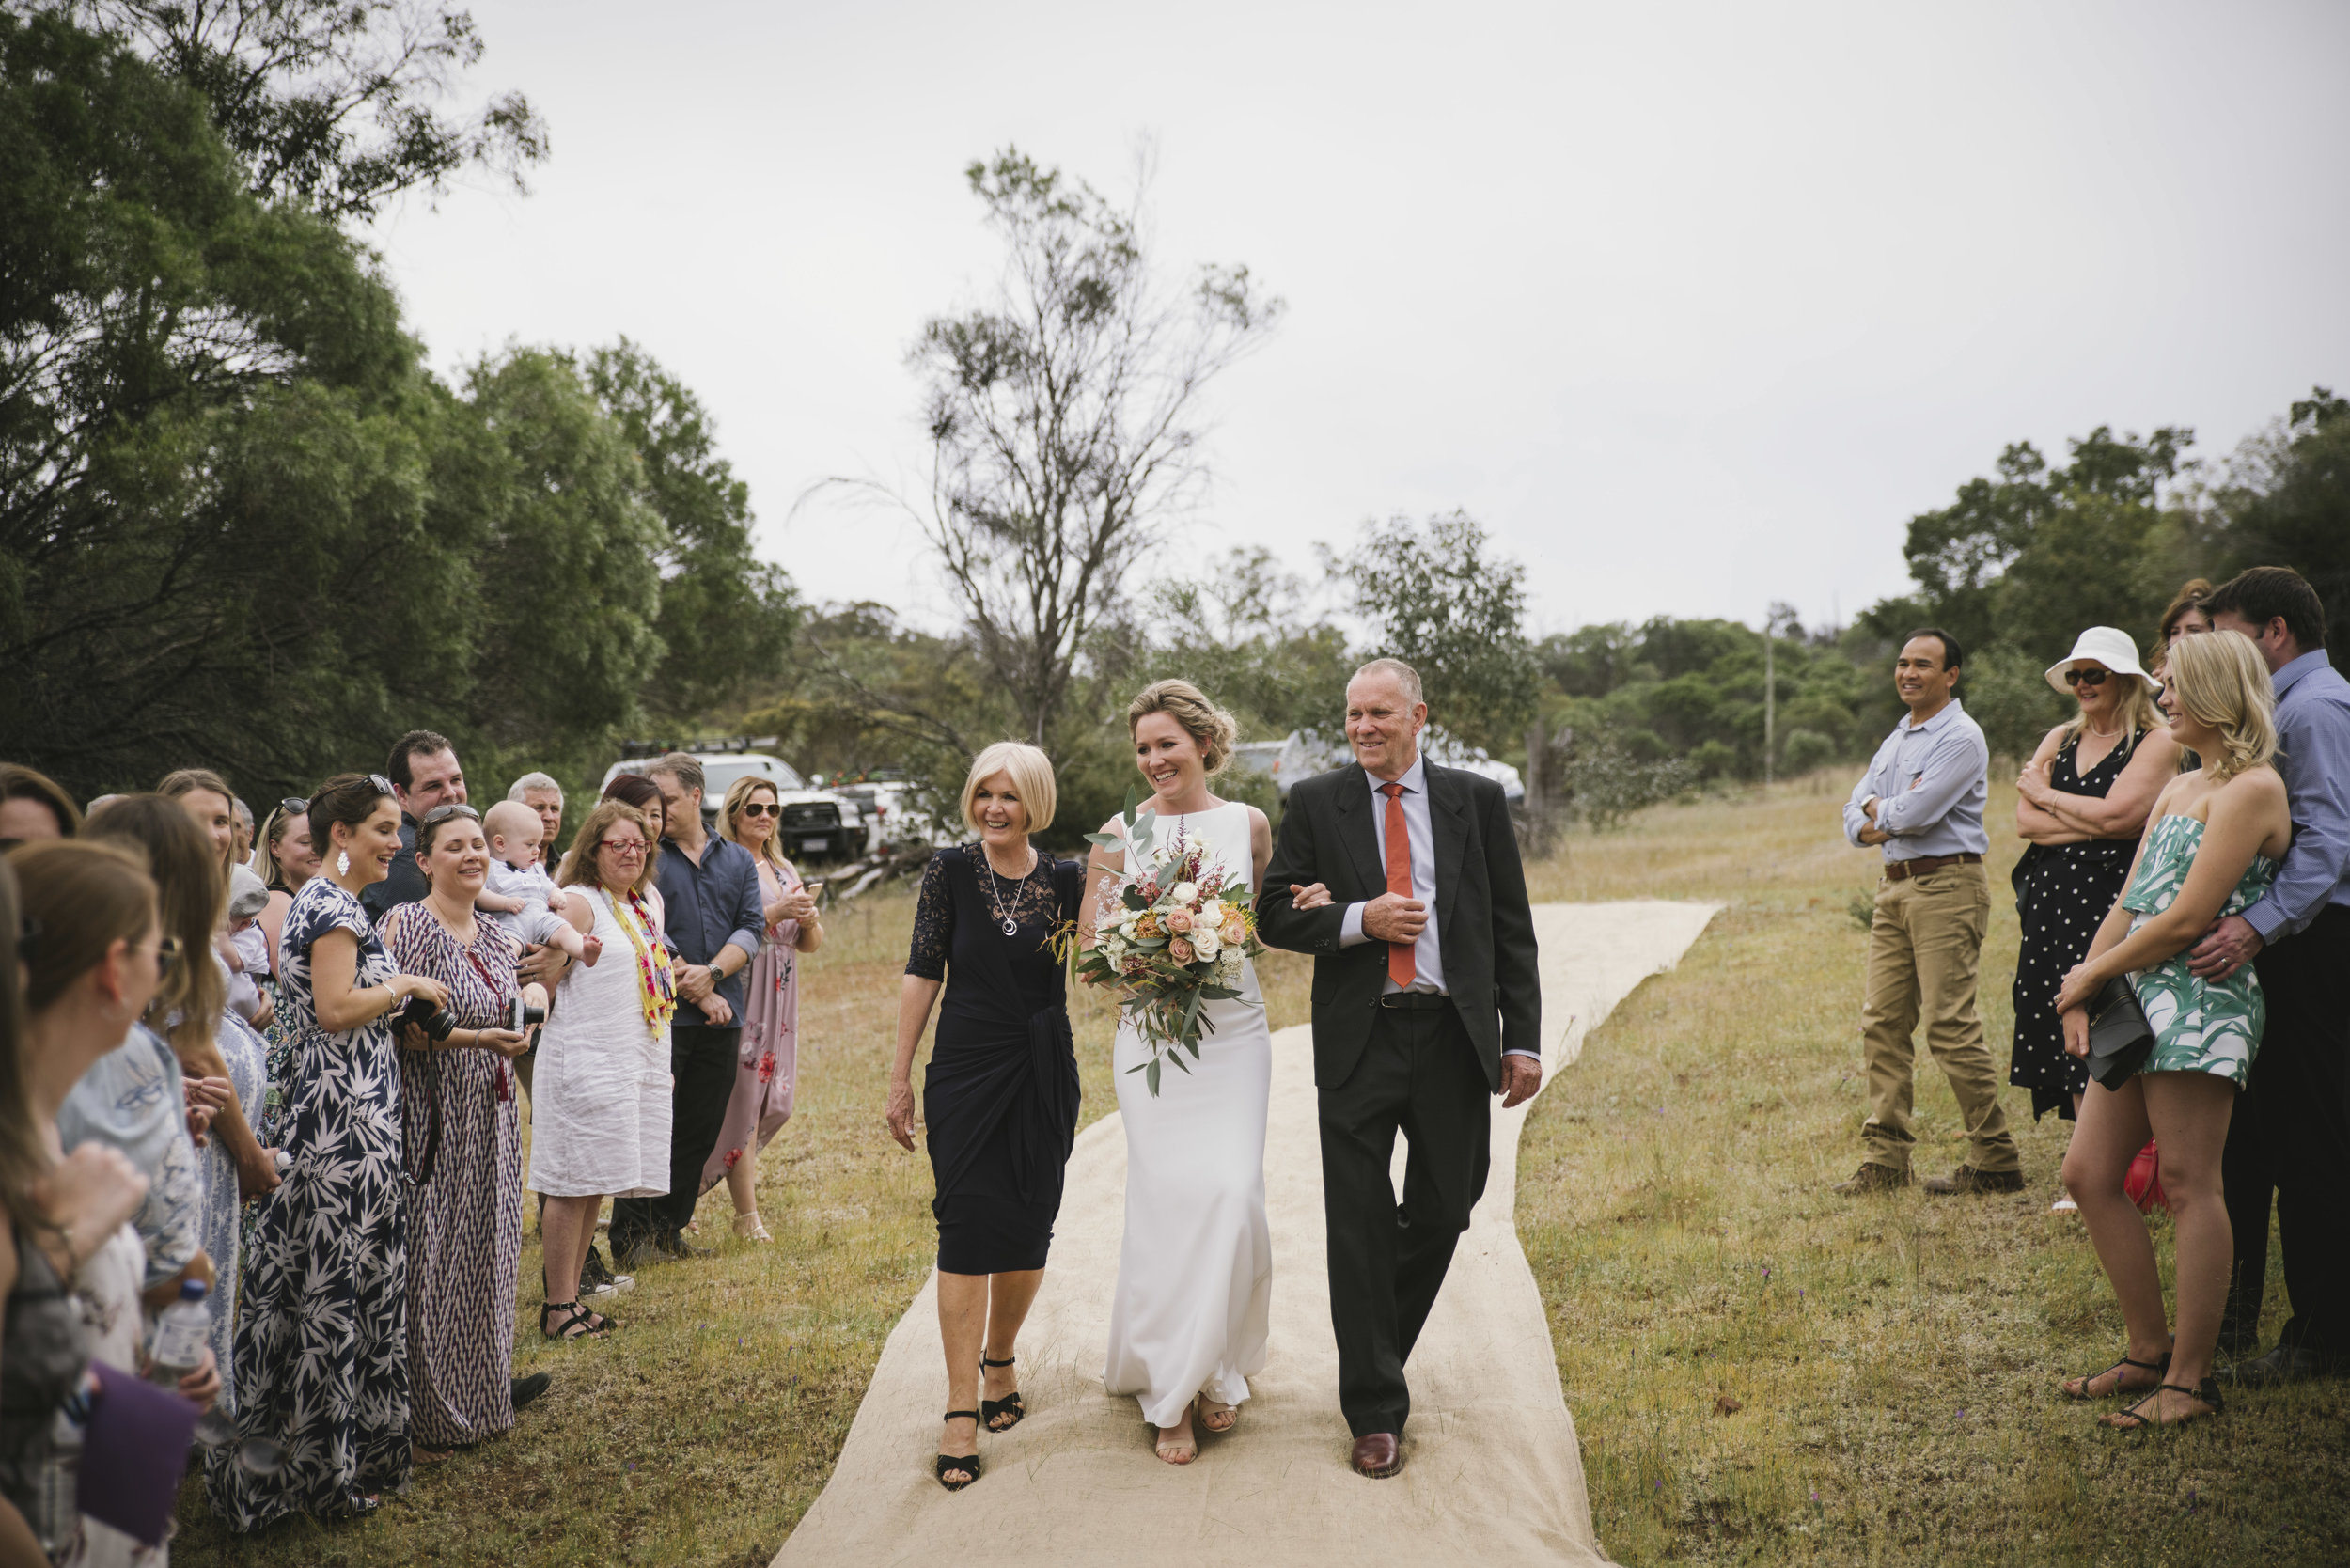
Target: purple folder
(134,1454)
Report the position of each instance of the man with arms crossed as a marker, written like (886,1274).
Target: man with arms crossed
(2295,1115)
(1426,1003)
(1922,801)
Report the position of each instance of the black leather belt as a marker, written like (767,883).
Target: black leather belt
(1415,1002)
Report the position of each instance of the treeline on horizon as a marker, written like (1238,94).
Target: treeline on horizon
(244,524)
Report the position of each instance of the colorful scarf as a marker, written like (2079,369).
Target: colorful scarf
(656,987)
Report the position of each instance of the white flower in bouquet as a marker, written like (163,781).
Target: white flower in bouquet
(1185,893)
(1230,964)
(1205,942)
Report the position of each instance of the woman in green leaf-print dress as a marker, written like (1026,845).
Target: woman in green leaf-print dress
(2212,846)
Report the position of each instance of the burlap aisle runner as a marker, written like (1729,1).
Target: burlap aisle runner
(1493,1473)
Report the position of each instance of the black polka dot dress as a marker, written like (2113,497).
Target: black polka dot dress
(2062,894)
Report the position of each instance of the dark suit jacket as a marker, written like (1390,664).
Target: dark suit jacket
(1483,923)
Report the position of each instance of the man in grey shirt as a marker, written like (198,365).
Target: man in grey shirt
(1921,803)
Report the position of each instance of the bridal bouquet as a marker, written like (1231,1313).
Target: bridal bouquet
(1174,930)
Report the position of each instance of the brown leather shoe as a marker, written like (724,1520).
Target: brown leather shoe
(1873,1178)
(1378,1455)
(1967,1179)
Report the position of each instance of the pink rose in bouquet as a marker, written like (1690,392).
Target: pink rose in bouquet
(1179,922)
(1180,950)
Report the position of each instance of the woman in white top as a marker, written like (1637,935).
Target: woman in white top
(1194,1274)
(600,1110)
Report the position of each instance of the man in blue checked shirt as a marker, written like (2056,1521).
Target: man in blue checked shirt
(1921,804)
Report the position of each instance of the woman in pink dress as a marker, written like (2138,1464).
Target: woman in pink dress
(761,1103)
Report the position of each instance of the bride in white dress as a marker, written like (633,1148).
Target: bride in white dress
(1195,1273)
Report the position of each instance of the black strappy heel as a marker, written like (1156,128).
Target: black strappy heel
(967,1462)
(591,1326)
(1009,1404)
(2157,1368)
(2207,1391)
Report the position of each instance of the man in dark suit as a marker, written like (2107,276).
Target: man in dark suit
(1426,1004)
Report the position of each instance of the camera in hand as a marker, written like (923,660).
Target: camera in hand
(434,1022)
(521,1016)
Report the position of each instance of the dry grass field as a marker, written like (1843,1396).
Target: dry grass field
(1890,1361)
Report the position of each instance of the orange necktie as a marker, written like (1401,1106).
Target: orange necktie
(1400,967)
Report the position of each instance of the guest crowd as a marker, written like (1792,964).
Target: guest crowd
(278,1069)
(280,1066)
(2182,988)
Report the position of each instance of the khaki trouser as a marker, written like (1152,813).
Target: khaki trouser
(1925,948)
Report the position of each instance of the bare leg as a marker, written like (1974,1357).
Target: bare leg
(2189,1112)
(963,1328)
(743,1187)
(567,1230)
(2112,1130)
(1009,1298)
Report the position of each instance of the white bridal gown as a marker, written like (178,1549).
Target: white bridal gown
(1195,1272)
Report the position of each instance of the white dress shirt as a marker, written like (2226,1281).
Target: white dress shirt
(1428,951)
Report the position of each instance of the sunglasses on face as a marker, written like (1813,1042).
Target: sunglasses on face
(166,954)
(762,809)
(2086,677)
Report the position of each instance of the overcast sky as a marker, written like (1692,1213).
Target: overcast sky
(1692,305)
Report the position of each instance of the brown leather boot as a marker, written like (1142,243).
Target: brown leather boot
(1967,1179)
(1873,1178)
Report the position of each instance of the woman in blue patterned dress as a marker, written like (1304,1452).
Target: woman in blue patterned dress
(323,1339)
(464,1148)
(2211,848)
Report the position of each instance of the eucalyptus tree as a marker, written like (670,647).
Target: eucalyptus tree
(1065,419)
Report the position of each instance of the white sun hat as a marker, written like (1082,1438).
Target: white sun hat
(2108,644)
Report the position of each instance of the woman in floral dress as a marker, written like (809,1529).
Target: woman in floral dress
(2211,848)
(460,1114)
(323,1338)
(761,1101)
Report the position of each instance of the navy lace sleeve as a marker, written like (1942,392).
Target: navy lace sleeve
(933,922)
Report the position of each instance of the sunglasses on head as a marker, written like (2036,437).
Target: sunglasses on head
(382,785)
(443,813)
(294,805)
(2086,677)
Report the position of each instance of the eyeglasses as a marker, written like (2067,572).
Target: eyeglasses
(625,848)
(762,809)
(294,806)
(2086,677)
(443,813)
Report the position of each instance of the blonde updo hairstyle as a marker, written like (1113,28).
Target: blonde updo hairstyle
(2221,679)
(1031,774)
(1201,719)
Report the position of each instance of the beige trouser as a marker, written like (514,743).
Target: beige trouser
(1925,948)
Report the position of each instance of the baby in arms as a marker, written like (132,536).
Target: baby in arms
(519,894)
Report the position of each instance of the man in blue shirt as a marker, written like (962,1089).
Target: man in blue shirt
(710,898)
(2292,1124)
(1922,805)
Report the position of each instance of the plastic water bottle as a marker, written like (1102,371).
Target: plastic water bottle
(180,1334)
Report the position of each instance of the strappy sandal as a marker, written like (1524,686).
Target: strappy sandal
(577,1322)
(1209,1409)
(1010,1405)
(2130,1421)
(967,1463)
(2077,1387)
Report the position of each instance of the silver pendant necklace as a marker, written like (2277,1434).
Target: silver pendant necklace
(995,892)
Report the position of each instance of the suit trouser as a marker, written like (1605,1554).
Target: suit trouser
(2301,1077)
(1925,952)
(1418,1073)
(702,1059)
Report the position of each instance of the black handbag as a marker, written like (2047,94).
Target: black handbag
(2120,1038)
